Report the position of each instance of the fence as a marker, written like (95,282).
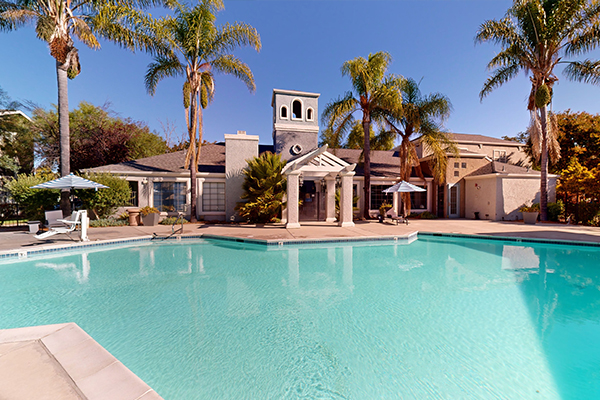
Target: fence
(11,215)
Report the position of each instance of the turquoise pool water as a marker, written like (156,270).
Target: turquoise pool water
(440,318)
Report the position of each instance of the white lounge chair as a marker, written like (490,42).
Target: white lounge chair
(392,214)
(52,218)
(69,225)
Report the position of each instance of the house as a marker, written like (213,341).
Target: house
(499,166)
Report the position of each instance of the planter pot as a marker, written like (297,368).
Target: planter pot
(151,219)
(380,218)
(530,218)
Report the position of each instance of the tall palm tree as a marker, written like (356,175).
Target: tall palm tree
(197,49)
(57,22)
(375,95)
(535,36)
(422,115)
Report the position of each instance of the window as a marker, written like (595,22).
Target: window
(456,165)
(418,200)
(309,114)
(169,196)
(297,109)
(283,113)
(378,197)
(213,197)
(456,173)
(463,165)
(500,155)
(133,199)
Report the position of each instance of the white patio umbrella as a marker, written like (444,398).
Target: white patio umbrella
(70,182)
(403,187)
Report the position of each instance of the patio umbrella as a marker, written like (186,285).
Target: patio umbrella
(70,182)
(403,187)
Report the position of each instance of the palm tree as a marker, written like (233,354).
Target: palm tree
(197,48)
(375,95)
(422,115)
(57,22)
(535,35)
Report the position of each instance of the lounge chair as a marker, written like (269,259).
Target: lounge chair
(68,226)
(395,217)
(52,218)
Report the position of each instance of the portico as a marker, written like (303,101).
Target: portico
(330,172)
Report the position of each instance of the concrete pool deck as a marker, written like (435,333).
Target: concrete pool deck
(63,362)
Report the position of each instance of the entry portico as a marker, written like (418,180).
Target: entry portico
(320,166)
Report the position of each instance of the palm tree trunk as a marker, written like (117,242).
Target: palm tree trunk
(544,166)
(63,128)
(366,122)
(193,165)
(405,170)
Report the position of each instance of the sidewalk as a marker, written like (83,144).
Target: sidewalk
(21,240)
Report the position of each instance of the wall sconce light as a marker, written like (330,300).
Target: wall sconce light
(144,181)
(477,187)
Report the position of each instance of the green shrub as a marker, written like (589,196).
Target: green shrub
(589,213)
(104,202)
(104,222)
(555,210)
(148,210)
(264,188)
(34,202)
(172,220)
(428,215)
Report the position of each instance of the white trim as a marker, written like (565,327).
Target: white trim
(287,111)
(312,112)
(295,128)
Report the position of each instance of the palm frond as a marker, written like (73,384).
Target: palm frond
(587,71)
(231,65)
(162,67)
(498,78)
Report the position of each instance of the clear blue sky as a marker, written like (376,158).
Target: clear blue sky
(304,46)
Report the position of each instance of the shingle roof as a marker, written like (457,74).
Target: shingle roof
(383,163)
(212,159)
(496,167)
(470,138)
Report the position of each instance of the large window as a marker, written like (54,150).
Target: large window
(169,196)
(378,197)
(418,200)
(213,196)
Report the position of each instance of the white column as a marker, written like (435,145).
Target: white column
(330,199)
(293,183)
(346,200)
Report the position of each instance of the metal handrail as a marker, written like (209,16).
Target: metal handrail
(173,231)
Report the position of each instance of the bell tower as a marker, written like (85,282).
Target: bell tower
(295,122)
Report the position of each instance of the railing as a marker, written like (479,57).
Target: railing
(173,231)
(10,215)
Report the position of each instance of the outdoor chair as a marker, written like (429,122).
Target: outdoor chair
(52,218)
(395,217)
(67,226)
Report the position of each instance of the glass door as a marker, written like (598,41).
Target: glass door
(454,200)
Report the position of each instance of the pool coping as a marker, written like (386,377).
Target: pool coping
(23,254)
(79,365)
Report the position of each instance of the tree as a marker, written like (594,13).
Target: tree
(98,137)
(33,201)
(104,202)
(579,137)
(375,95)
(264,189)
(197,49)
(422,115)
(384,140)
(16,137)
(535,35)
(57,22)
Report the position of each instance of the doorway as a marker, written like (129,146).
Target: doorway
(453,200)
(310,195)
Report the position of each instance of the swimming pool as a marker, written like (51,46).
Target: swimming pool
(440,318)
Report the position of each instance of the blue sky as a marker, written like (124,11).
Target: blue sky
(304,46)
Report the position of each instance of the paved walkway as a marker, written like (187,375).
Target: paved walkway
(20,240)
